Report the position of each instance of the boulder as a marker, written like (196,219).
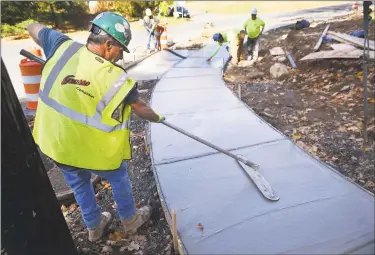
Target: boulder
(279,70)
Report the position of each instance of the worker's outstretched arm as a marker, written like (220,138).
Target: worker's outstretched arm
(33,30)
(215,52)
(145,112)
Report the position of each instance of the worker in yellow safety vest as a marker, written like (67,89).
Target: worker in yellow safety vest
(254,29)
(83,116)
(234,38)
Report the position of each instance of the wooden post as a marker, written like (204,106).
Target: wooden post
(174,231)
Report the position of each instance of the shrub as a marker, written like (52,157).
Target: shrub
(18,30)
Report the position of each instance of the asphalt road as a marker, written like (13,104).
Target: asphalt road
(10,49)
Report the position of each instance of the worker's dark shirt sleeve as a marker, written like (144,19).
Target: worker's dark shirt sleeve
(132,97)
(50,40)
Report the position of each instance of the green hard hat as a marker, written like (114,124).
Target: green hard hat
(116,26)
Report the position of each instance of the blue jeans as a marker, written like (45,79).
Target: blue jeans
(153,38)
(79,181)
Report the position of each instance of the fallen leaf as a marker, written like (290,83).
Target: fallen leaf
(138,206)
(200,226)
(140,238)
(104,183)
(133,246)
(107,186)
(359,75)
(353,128)
(342,129)
(370,184)
(314,148)
(302,145)
(115,236)
(334,159)
(64,208)
(73,207)
(371,100)
(345,88)
(297,136)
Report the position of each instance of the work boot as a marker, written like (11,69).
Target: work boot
(141,216)
(96,234)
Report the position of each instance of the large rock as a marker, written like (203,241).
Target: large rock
(279,70)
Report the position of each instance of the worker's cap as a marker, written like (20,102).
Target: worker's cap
(216,37)
(254,11)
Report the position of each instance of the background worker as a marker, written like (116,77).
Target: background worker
(235,40)
(254,28)
(83,116)
(150,22)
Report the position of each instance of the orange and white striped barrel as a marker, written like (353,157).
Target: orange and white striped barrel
(158,31)
(355,6)
(36,51)
(164,38)
(31,72)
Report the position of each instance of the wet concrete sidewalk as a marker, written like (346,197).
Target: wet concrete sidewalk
(319,211)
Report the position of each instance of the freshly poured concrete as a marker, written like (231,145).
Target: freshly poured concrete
(154,67)
(216,126)
(319,211)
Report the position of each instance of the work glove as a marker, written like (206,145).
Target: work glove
(161,118)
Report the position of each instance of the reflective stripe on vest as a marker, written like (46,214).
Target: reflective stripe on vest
(94,121)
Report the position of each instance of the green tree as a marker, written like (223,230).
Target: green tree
(13,12)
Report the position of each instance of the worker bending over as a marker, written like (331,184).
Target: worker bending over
(254,28)
(83,117)
(235,40)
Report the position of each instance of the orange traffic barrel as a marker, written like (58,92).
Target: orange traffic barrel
(164,38)
(158,31)
(36,51)
(31,72)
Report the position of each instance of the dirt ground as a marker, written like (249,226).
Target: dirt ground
(152,238)
(320,104)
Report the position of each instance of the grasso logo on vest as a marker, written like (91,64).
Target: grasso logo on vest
(70,79)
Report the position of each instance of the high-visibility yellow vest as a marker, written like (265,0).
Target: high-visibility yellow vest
(230,35)
(80,93)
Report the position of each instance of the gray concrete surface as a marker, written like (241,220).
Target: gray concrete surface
(319,211)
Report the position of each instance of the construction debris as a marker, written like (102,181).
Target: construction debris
(345,38)
(317,46)
(353,54)
(341,46)
(276,51)
(291,60)
(343,54)
(301,24)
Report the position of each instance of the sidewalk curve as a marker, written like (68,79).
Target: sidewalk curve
(319,211)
